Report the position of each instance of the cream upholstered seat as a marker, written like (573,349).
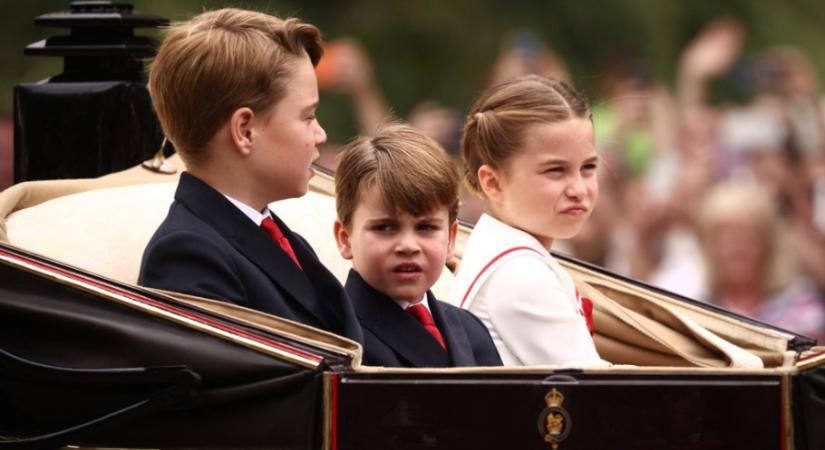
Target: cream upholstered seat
(102,225)
(105,230)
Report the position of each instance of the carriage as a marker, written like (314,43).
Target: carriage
(88,358)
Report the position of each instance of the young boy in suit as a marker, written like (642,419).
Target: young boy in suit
(397,201)
(235,91)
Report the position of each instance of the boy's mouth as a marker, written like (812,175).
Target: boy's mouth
(407,268)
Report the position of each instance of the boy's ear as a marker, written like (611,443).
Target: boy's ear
(490,181)
(451,244)
(240,129)
(342,239)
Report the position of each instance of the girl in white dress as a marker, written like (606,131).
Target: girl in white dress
(529,151)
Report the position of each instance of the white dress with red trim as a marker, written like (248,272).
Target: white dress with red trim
(526,299)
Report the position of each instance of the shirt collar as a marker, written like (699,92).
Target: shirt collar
(405,304)
(253,214)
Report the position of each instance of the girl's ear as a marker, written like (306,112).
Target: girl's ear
(240,129)
(451,244)
(342,239)
(491,182)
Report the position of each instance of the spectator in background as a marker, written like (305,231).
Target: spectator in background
(634,128)
(662,152)
(347,68)
(523,52)
(748,268)
(776,138)
(659,244)
(439,122)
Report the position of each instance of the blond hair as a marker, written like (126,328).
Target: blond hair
(496,124)
(412,172)
(744,200)
(219,61)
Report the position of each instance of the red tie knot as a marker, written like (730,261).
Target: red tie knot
(272,229)
(421,313)
(423,316)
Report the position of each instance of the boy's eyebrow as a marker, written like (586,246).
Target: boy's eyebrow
(380,219)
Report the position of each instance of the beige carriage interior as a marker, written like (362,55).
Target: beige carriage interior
(102,225)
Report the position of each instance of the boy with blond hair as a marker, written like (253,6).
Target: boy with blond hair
(235,92)
(397,202)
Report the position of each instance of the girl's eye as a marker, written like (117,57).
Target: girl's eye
(589,167)
(554,170)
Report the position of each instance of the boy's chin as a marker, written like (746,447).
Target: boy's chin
(408,295)
(286,194)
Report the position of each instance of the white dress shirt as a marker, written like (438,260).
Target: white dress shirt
(253,214)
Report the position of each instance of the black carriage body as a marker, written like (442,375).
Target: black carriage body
(71,335)
(629,410)
(115,366)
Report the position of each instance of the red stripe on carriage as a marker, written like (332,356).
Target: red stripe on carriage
(333,430)
(168,308)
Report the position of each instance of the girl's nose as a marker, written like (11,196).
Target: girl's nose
(576,188)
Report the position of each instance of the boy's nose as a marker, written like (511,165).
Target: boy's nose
(407,244)
(320,135)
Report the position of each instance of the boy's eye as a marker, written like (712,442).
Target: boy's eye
(427,227)
(383,227)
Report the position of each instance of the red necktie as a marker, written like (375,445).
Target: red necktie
(275,233)
(422,315)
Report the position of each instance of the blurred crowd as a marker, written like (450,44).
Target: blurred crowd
(712,184)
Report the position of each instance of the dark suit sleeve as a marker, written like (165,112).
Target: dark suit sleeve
(484,350)
(188,262)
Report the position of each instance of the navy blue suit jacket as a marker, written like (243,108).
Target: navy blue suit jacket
(207,247)
(394,338)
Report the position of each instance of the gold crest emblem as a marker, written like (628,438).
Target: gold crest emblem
(554,421)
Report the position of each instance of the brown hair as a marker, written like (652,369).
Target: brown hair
(219,61)
(495,126)
(412,172)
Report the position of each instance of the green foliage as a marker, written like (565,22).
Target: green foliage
(435,49)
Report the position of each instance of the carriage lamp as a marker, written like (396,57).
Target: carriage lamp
(96,116)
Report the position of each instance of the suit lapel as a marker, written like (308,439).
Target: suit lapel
(394,327)
(250,241)
(331,297)
(278,266)
(458,344)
